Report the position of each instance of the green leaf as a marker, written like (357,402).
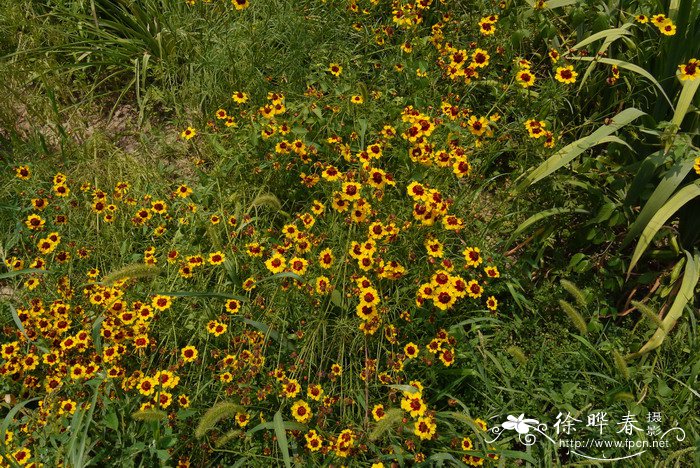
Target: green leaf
(660,217)
(284,274)
(281,434)
(540,216)
(672,179)
(608,34)
(627,66)
(690,87)
(569,152)
(26,271)
(685,295)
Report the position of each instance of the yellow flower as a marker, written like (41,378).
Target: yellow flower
(239,97)
(335,69)
(525,78)
(276,264)
(240,4)
(189,353)
(216,258)
(668,28)
(424,428)
(188,133)
(161,302)
(301,411)
(357,99)
(566,74)
(23,172)
(690,70)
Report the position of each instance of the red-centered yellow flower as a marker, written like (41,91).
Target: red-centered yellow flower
(161,302)
(474,289)
(184,401)
(554,55)
(467,444)
(434,248)
(411,350)
(35,222)
(242,419)
(369,296)
(254,249)
(351,191)
(147,385)
(240,4)
(447,357)
(315,392)
(23,172)
(424,428)
(444,297)
(239,97)
(216,258)
(216,328)
(313,441)
(659,20)
(487,28)
(290,388)
(378,412)
(525,78)
(301,411)
(413,404)
(276,263)
(566,74)
(690,70)
(188,133)
(233,306)
(298,265)
(480,58)
(335,69)
(337,370)
(492,303)
(472,255)
(642,19)
(22,456)
(183,191)
(477,126)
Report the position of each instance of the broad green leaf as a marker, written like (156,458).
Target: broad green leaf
(660,217)
(608,34)
(285,274)
(540,216)
(26,271)
(559,3)
(644,173)
(690,87)
(663,191)
(570,151)
(685,295)
(281,434)
(627,66)
(404,388)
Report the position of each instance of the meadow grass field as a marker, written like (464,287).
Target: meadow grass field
(361,233)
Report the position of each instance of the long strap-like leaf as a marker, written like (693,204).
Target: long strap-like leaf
(685,294)
(657,221)
(569,152)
